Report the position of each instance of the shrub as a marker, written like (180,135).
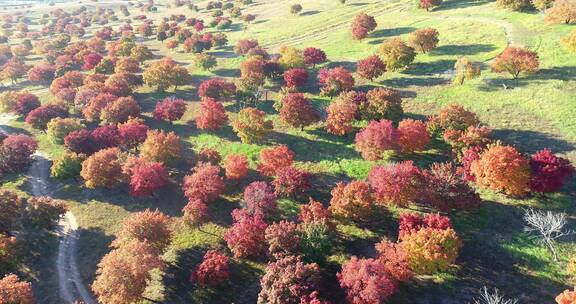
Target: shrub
(15,291)
(123,273)
(146,178)
(370,68)
(170,109)
(296,77)
(205,61)
(429,4)
(43,212)
(216,88)
(291,57)
(396,184)
(213,271)
(150,227)
(562,11)
(297,111)
(383,103)
(288,280)
(502,168)
(466,70)
(335,80)
(209,156)
(66,166)
(236,166)
(315,212)
(10,211)
(103,169)
(252,72)
(251,125)
(314,56)
(8,101)
(291,181)
(132,133)
(341,115)
(274,158)
(246,237)
(195,212)
(362,25)
(295,9)
(42,73)
(566,297)
(424,40)
(58,128)
(549,172)
(283,239)
(93,109)
(316,241)
(25,103)
(15,153)
(395,260)
(352,201)
(396,54)
(472,137)
(412,135)
(204,183)
(80,141)
(260,199)
(243,46)
(212,115)
(454,117)
(516,61)
(120,110)
(161,147)
(377,138)
(366,281)
(446,190)
(515,5)
(165,73)
(432,250)
(106,137)
(39,117)
(469,156)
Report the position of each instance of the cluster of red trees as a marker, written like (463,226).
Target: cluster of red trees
(93,80)
(494,165)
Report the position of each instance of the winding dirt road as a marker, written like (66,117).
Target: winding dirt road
(71,287)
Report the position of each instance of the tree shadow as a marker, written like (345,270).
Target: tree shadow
(532,141)
(381,34)
(230,73)
(310,13)
(349,65)
(14,130)
(455,4)
(313,150)
(224,54)
(242,287)
(429,68)
(469,49)
(92,245)
(402,82)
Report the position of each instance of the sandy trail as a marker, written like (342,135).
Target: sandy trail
(71,287)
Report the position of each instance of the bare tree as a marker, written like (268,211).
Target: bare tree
(547,227)
(492,298)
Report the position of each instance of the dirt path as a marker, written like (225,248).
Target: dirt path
(71,287)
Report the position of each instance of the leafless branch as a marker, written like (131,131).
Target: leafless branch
(486,297)
(547,227)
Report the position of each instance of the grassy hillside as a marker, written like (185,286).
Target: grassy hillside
(533,112)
